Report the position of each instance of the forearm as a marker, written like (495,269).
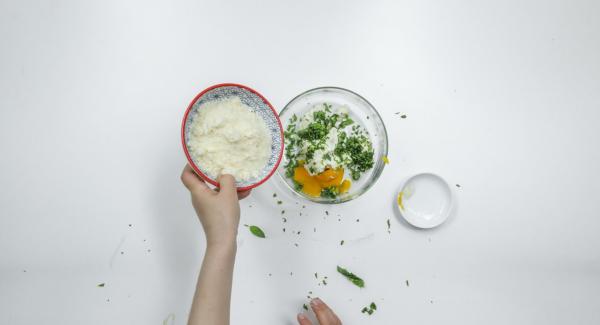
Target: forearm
(213,291)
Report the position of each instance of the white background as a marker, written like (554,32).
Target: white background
(501,97)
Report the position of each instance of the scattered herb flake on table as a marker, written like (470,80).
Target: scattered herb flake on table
(351,276)
(256,231)
(369,309)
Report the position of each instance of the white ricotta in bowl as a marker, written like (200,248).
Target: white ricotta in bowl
(226,137)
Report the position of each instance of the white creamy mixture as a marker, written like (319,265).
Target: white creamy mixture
(226,137)
(323,157)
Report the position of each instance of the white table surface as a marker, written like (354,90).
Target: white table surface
(501,97)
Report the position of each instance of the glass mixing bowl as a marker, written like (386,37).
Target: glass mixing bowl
(363,113)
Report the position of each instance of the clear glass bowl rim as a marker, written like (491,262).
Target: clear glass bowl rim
(377,172)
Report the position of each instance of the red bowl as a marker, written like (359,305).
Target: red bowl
(260,105)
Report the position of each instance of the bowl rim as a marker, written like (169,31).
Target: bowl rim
(385,153)
(191,161)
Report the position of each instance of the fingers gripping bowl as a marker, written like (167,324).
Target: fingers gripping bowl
(335,145)
(232,129)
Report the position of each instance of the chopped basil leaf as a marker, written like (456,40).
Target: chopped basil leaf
(256,231)
(351,276)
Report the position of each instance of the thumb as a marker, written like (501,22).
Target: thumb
(227,185)
(193,182)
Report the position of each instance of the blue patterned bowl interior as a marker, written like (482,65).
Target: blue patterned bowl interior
(258,105)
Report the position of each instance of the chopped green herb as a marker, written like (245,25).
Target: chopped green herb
(407,284)
(316,276)
(369,309)
(458,185)
(351,276)
(330,192)
(282,211)
(274,194)
(284,219)
(101,285)
(342,242)
(279,202)
(357,150)
(314,131)
(345,122)
(256,231)
(305,307)
(403,116)
(389,225)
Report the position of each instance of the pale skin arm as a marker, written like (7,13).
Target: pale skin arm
(219,213)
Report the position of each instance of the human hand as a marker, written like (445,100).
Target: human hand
(324,314)
(218,210)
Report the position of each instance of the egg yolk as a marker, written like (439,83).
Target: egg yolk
(345,186)
(313,185)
